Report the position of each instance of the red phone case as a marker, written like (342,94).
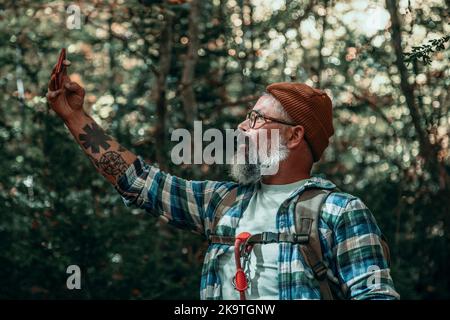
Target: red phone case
(57,77)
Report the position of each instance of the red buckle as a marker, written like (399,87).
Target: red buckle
(240,279)
(243,236)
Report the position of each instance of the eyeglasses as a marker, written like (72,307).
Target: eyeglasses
(255,116)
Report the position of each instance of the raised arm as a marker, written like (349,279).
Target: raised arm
(183,203)
(107,155)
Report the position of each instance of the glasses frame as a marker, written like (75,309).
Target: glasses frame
(265,118)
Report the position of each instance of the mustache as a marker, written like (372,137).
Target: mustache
(241,140)
(245,137)
(246,147)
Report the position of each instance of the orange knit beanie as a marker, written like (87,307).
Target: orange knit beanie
(308,107)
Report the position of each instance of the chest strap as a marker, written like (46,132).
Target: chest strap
(262,238)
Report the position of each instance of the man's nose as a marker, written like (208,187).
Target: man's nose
(244,125)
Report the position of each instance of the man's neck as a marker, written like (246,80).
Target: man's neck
(296,167)
(288,172)
(277,179)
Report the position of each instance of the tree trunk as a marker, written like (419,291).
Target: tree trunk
(190,62)
(428,152)
(321,64)
(165,55)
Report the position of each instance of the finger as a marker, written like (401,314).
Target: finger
(66,63)
(51,83)
(54,69)
(52,95)
(64,79)
(73,87)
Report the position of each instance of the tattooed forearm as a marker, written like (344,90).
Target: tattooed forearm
(105,153)
(94,139)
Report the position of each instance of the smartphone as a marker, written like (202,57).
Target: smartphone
(57,76)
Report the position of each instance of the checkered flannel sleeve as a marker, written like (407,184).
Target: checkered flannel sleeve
(361,263)
(182,203)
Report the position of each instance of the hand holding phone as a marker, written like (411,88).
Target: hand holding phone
(64,96)
(59,71)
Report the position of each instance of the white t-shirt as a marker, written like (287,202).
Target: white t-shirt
(259,216)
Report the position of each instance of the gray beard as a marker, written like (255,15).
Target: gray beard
(246,173)
(250,173)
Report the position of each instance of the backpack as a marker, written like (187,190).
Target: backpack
(307,210)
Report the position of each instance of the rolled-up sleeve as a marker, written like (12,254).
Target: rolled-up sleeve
(361,264)
(183,203)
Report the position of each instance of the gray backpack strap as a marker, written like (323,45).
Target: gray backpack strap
(222,207)
(307,212)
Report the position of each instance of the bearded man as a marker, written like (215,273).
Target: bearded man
(278,265)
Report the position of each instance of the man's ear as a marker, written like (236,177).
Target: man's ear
(295,136)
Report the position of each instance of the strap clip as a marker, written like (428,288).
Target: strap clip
(320,271)
(301,237)
(269,237)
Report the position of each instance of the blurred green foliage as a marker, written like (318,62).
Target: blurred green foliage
(425,51)
(57,211)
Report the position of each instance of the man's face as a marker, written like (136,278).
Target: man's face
(263,147)
(266,106)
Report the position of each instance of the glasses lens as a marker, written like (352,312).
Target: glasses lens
(252,119)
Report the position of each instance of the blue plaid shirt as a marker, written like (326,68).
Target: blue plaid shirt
(349,234)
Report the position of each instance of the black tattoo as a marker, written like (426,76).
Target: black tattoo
(121,149)
(112,163)
(95,138)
